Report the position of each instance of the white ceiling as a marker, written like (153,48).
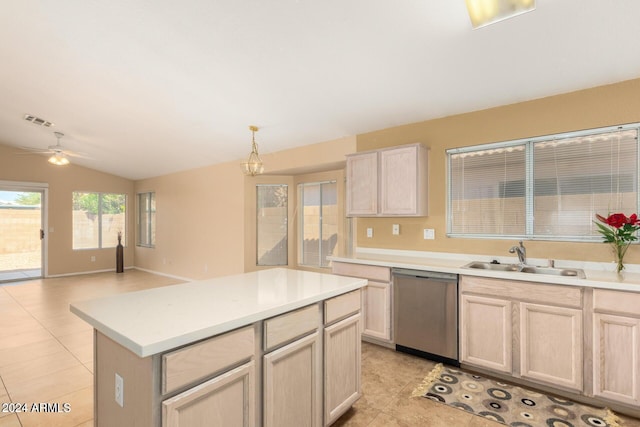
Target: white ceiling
(148,88)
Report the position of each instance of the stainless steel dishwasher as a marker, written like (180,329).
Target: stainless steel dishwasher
(426,314)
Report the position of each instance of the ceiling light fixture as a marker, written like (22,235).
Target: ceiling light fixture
(485,12)
(253,166)
(58,158)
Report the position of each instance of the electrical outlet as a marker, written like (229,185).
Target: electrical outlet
(369,232)
(395,229)
(429,234)
(119,390)
(93,259)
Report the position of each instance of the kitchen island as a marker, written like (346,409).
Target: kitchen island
(276,347)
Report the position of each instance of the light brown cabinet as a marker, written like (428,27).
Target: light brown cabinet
(377,300)
(212,382)
(486,337)
(362,184)
(292,384)
(528,330)
(292,369)
(616,346)
(342,355)
(226,400)
(342,366)
(551,345)
(388,182)
(377,310)
(300,368)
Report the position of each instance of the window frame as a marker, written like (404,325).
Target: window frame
(300,231)
(529,144)
(150,215)
(99,215)
(257,225)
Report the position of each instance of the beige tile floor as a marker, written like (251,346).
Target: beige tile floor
(46,356)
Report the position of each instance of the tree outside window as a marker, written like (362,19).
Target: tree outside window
(97,220)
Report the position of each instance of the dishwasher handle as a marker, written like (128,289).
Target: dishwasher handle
(424,274)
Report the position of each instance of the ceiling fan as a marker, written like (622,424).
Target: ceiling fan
(59,154)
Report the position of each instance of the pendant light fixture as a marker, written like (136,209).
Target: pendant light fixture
(485,12)
(253,166)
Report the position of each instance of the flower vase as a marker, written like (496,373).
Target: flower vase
(119,255)
(619,251)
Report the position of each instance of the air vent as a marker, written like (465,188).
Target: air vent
(37,120)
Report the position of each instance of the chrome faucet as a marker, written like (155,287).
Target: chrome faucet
(521,251)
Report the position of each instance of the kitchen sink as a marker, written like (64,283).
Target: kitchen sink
(567,272)
(570,272)
(494,267)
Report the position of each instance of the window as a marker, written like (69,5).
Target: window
(546,188)
(271,224)
(147,219)
(318,233)
(97,220)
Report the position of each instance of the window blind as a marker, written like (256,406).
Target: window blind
(488,191)
(577,177)
(546,188)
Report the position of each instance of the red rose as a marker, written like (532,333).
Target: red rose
(617,220)
(633,219)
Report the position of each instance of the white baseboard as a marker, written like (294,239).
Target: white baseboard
(159,273)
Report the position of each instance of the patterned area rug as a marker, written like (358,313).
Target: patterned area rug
(508,404)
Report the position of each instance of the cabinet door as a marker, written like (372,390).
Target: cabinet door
(226,400)
(293,384)
(342,362)
(616,358)
(485,332)
(551,345)
(362,184)
(376,309)
(403,181)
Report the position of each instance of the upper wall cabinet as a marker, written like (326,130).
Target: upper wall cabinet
(388,182)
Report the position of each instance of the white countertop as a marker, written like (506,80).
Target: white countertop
(156,320)
(597,274)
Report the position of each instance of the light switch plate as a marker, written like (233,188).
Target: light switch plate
(119,390)
(395,229)
(429,234)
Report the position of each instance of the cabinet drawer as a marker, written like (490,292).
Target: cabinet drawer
(372,272)
(340,307)
(616,302)
(561,295)
(284,328)
(197,361)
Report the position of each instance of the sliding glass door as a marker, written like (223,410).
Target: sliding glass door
(21,233)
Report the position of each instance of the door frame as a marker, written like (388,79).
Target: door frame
(43,188)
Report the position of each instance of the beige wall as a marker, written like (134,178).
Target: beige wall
(205,216)
(63,181)
(199,222)
(205,220)
(201,226)
(601,106)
